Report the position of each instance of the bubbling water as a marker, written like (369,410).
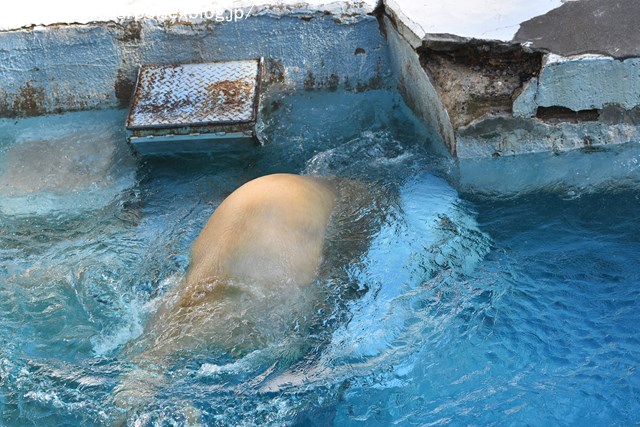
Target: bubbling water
(79,286)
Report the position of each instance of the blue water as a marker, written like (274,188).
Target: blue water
(474,294)
(543,332)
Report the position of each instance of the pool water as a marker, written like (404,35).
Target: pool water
(492,292)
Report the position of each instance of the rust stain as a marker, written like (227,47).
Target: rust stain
(310,81)
(347,83)
(333,82)
(161,108)
(374,83)
(130,32)
(5,111)
(158,106)
(170,95)
(29,101)
(222,94)
(330,82)
(177,22)
(276,71)
(124,86)
(233,93)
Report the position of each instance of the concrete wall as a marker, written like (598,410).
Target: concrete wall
(483,97)
(57,68)
(416,87)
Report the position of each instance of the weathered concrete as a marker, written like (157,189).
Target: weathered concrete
(56,68)
(31,13)
(570,174)
(510,96)
(581,102)
(589,82)
(416,87)
(501,136)
(477,78)
(457,64)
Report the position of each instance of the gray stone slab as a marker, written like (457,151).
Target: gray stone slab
(604,27)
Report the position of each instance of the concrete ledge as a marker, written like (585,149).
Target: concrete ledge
(416,87)
(503,136)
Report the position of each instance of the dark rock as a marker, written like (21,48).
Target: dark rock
(604,27)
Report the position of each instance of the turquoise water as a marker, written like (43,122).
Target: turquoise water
(494,292)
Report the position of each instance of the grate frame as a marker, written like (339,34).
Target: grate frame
(196,95)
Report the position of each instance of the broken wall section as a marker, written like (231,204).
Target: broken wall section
(582,102)
(477,78)
(416,86)
(495,98)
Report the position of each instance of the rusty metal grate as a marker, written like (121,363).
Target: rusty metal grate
(195,95)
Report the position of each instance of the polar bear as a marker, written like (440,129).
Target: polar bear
(250,283)
(249,267)
(270,231)
(259,249)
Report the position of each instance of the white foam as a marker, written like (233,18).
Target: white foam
(131,329)
(135,312)
(213,370)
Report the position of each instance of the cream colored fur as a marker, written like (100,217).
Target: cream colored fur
(249,266)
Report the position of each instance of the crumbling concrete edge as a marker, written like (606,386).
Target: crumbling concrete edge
(489,103)
(581,102)
(346,12)
(414,85)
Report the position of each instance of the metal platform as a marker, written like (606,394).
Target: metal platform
(195,107)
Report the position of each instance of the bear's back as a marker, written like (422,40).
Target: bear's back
(271,231)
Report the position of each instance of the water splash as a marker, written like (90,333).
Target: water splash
(66,163)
